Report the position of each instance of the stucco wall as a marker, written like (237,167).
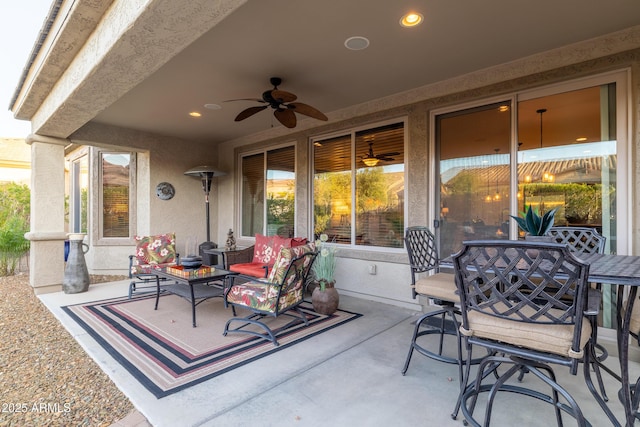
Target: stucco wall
(391,282)
(159,159)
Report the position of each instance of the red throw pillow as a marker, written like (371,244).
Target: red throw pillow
(298,241)
(263,250)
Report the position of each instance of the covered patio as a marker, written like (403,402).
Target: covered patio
(124,97)
(347,376)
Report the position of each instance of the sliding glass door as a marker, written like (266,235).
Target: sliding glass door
(473,161)
(559,149)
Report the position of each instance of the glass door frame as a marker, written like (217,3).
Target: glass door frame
(623,109)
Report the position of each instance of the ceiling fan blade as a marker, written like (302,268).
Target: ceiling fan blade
(283,96)
(246,99)
(286,117)
(387,154)
(385,158)
(307,110)
(249,112)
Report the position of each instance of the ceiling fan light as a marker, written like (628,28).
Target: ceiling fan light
(370,161)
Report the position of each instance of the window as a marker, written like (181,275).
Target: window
(473,161)
(79,194)
(268,180)
(358,187)
(116,177)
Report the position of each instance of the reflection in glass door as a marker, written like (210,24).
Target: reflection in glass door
(567,159)
(565,156)
(474,173)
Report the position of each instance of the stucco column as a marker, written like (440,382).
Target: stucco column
(47,235)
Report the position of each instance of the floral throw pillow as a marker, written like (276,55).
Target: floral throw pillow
(263,249)
(276,275)
(158,249)
(267,248)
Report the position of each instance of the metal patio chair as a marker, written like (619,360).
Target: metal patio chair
(585,241)
(441,288)
(526,303)
(278,295)
(152,252)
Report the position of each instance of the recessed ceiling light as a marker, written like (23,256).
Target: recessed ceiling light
(212,106)
(503,108)
(411,19)
(195,114)
(581,139)
(356,43)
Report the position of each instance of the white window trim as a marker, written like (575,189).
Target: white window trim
(264,151)
(352,132)
(95,197)
(623,131)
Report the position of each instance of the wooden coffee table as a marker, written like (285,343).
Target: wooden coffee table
(193,289)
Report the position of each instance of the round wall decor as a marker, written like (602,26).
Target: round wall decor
(165,191)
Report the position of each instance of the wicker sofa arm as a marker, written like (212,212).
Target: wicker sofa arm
(239,256)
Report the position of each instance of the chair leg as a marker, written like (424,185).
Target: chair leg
(471,392)
(587,379)
(441,331)
(251,320)
(269,334)
(597,360)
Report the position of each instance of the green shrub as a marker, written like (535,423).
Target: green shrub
(14,223)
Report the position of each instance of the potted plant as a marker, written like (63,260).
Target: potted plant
(533,224)
(325,298)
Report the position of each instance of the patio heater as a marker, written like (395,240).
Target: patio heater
(206,174)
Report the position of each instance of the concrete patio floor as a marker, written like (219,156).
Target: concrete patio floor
(347,376)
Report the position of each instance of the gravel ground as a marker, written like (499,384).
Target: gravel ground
(46,378)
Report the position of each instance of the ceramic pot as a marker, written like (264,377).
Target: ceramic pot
(325,302)
(76,274)
(533,253)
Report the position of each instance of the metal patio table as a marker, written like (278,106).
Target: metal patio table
(194,289)
(621,271)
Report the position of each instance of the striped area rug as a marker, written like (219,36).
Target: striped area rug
(162,350)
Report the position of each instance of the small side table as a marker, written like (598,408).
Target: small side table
(227,255)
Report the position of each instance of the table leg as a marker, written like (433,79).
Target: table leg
(193,305)
(157,291)
(623,350)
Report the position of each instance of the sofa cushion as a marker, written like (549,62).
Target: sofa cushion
(255,269)
(298,241)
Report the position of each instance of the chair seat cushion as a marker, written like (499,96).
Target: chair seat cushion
(255,269)
(261,296)
(549,338)
(441,286)
(256,295)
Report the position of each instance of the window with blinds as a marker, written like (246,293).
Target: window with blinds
(116,183)
(268,193)
(358,187)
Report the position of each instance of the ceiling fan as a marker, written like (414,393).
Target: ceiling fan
(372,159)
(283,104)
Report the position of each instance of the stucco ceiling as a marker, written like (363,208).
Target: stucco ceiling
(302,42)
